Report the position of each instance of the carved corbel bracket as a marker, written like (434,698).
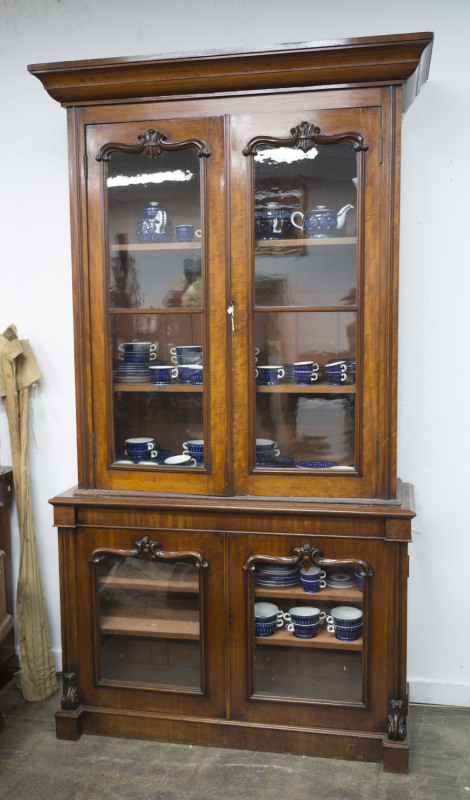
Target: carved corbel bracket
(70,699)
(396,720)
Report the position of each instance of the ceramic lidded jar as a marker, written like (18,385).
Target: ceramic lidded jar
(154,225)
(272,222)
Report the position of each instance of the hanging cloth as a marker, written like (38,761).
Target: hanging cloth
(18,371)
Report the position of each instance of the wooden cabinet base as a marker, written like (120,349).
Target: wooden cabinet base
(351,745)
(159,597)
(367,746)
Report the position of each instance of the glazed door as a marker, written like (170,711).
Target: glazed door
(151,621)
(309,293)
(157,294)
(319,633)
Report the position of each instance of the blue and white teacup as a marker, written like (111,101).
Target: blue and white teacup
(306,372)
(137,352)
(185,233)
(147,454)
(290,372)
(304,621)
(269,375)
(197,375)
(266,450)
(345,622)
(195,449)
(303,631)
(268,617)
(340,372)
(359,574)
(186,354)
(305,615)
(185,372)
(161,375)
(346,633)
(140,444)
(137,347)
(312,579)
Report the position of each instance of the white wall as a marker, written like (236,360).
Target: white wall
(36,293)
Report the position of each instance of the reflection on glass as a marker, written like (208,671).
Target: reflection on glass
(149,622)
(304,673)
(307,408)
(158,379)
(301,651)
(155,230)
(154,220)
(305,304)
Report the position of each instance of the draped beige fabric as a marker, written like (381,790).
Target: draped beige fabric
(18,371)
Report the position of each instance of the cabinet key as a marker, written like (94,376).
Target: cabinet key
(231,311)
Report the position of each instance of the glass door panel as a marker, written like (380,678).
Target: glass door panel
(308,627)
(163,401)
(157,282)
(148,619)
(305,305)
(307,408)
(154,215)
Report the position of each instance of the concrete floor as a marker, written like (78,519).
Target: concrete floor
(35,765)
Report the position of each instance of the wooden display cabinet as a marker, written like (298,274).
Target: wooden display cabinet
(235,222)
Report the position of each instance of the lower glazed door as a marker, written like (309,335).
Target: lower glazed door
(148,604)
(317,620)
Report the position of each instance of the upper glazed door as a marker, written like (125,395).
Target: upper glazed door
(309,287)
(158,310)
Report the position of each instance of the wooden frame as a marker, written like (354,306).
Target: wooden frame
(233,513)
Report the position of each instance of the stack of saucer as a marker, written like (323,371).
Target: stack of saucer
(277,575)
(340,580)
(131,373)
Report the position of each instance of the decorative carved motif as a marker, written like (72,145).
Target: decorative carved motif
(305,136)
(396,720)
(357,563)
(70,700)
(308,553)
(150,549)
(152,143)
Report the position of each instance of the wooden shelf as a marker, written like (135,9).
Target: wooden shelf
(196,245)
(323,640)
(144,583)
(314,388)
(327,595)
(137,622)
(267,244)
(148,386)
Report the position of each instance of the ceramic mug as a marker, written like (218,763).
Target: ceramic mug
(163,374)
(269,375)
(186,233)
(140,443)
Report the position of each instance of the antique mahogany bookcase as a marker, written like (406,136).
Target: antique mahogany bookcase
(235,223)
